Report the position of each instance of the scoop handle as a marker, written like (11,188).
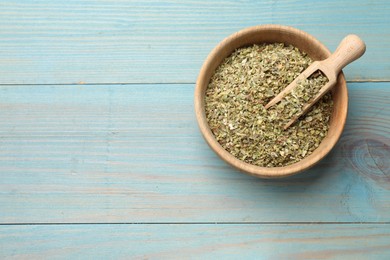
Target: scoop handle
(350,48)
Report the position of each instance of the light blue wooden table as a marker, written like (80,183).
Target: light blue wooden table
(101,157)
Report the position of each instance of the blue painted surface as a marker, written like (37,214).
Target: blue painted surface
(201,241)
(133,153)
(78,159)
(166,41)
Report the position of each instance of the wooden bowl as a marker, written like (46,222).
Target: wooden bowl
(271,34)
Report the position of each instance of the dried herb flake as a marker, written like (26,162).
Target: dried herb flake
(247,80)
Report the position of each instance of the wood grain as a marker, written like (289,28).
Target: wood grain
(133,153)
(87,41)
(197,241)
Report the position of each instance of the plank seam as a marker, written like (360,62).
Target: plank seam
(153,83)
(200,223)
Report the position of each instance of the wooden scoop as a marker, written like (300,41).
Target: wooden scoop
(349,49)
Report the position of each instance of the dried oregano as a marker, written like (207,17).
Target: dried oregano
(247,80)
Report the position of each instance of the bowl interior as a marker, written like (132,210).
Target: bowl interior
(271,34)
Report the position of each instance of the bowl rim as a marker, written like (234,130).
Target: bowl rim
(257,171)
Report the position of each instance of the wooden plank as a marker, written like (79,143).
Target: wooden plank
(199,241)
(133,153)
(61,42)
